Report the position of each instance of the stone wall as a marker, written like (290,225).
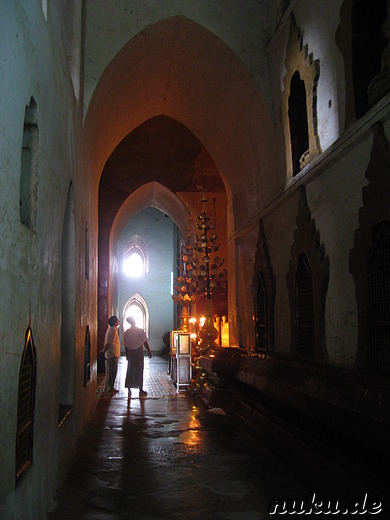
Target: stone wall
(34,67)
(155,286)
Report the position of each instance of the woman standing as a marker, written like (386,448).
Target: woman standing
(112,351)
(134,339)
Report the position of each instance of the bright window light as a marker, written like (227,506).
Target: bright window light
(138,315)
(133,265)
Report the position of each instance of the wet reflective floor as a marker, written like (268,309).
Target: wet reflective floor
(168,457)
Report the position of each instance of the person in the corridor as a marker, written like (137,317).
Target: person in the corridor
(112,351)
(134,339)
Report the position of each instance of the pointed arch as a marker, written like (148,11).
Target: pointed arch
(218,100)
(136,245)
(263,293)
(136,306)
(150,195)
(26,403)
(153,195)
(299,103)
(307,283)
(369,260)
(297,116)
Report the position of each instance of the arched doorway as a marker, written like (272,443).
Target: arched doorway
(137,308)
(218,101)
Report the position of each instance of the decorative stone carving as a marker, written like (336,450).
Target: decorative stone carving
(263,267)
(299,59)
(307,242)
(376,209)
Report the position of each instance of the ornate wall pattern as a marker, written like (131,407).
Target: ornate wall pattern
(300,60)
(264,280)
(307,246)
(373,213)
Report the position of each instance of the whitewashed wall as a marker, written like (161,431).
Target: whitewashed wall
(34,64)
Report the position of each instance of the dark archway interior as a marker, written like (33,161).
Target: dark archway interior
(161,150)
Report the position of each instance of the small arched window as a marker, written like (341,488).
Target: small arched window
(299,103)
(297,115)
(136,258)
(379,297)
(134,263)
(26,400)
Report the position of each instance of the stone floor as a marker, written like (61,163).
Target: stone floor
(157,383)
(167,457)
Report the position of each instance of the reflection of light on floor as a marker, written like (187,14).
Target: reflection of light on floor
(157,382)
(191,437)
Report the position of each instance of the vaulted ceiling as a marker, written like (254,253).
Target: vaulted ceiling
(160,150)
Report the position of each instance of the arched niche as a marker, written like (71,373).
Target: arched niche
(299,103)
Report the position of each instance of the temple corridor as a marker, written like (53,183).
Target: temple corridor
(167,456)
(218,170)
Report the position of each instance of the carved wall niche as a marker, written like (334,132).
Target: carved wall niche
(302,73)
(26,404)
(263,294)
(361,38)
(374,220)
(307,279)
